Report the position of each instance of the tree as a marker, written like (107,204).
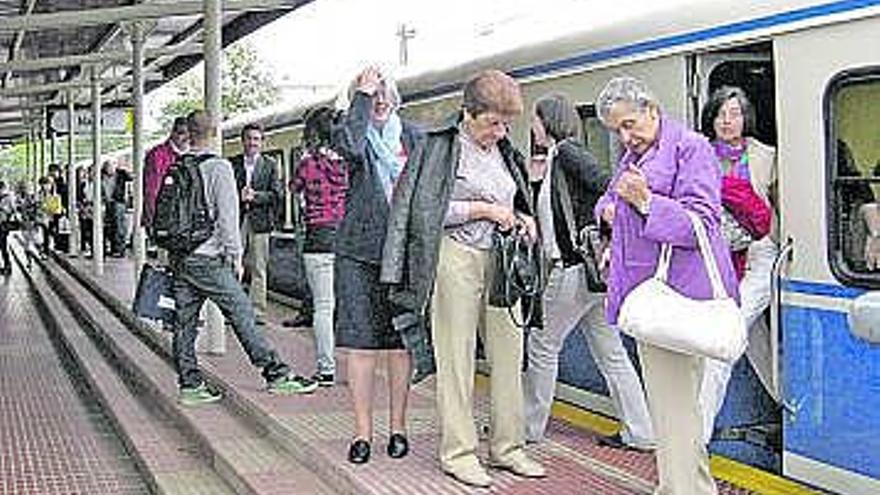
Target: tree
(247,85)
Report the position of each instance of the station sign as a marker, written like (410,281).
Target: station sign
(113,119)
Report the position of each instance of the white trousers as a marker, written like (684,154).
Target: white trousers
(319,271)
(672,381)
(569,305)
(754,292)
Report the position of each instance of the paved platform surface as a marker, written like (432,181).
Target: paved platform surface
(574,461)
(53,438)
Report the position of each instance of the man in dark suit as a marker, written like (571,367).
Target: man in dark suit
(260,193)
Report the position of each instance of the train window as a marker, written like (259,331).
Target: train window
(852,104)
(604,145)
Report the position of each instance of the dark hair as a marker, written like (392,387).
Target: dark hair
(492,90)
(558,116)
(178,122)
(54,167)
(318,127)
(717,100)
(252,126)
(2,185)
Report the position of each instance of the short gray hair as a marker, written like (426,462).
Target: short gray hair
(624,89)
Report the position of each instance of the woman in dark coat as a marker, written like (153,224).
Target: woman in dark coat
(377,144)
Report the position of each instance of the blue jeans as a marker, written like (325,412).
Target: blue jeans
(197,278)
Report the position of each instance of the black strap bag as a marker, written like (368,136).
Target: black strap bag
(587,242)
(516,273)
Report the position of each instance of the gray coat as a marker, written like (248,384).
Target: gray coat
(415,228)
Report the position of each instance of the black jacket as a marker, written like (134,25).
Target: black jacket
(268,192)
(576,168)
(415,229)
(362,231)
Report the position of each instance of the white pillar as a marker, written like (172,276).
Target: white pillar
(28,171)
(98,205)
(213,338)
(44,170)
(137,144)
(72,183)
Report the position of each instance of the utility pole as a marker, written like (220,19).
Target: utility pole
(405,34)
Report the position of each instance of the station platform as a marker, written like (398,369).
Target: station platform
(298,444)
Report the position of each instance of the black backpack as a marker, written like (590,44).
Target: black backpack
(182,220)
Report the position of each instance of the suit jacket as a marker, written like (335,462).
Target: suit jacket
(263,210)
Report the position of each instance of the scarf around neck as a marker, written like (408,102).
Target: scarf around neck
(386,144)
(734,159)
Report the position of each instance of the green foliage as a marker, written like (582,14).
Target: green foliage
(247,85)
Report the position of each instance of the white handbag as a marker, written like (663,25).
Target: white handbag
(657,314)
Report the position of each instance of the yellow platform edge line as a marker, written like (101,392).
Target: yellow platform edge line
(742,475)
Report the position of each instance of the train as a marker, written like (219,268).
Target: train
(811,411)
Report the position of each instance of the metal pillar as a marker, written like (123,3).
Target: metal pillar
(137,144)
(28,170)
(213,339)
(97,203)
(72,183)
(43,116)
(53,147)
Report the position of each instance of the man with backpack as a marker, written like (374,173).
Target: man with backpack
(196,220)
(260,193)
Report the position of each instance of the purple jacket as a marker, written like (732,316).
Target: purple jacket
(683,174)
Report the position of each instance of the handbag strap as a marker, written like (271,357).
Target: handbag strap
(709,261)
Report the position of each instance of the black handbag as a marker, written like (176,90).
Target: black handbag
(154,297)
(516,273)
(587,242)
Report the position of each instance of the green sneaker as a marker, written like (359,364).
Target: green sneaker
(197,396)
(290,384)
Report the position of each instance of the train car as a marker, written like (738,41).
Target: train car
(811,412)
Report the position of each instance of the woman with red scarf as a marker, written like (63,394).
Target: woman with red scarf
(748,174)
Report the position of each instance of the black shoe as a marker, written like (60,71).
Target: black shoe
(324,379)
(398,446)
(359,452)
(301,320)
(616,442)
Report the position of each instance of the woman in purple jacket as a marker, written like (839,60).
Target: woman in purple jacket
(666,171)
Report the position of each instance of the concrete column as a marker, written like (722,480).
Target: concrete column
(98,205)
(213,338)
(73,185)
(137,144)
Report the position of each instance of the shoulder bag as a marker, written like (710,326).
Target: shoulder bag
(516,273)
(655,313)
(587,242)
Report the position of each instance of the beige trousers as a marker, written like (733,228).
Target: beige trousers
(256,251)
(672,382)
(460,311)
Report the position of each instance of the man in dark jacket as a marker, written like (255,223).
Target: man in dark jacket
(260,193)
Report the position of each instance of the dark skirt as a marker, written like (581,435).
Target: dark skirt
(363,313)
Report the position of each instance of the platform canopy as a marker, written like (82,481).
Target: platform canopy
(47,45)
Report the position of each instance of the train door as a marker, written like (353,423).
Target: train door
(748,427)
(828,103)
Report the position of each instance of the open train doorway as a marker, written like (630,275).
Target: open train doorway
(749,424)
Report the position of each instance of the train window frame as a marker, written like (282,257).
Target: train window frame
(837,258)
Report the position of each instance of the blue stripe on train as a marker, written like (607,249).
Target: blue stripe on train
(632,49)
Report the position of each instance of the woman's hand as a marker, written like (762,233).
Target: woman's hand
(526,225)
(504,217)
(632,186)
(608,213)
(369,81)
